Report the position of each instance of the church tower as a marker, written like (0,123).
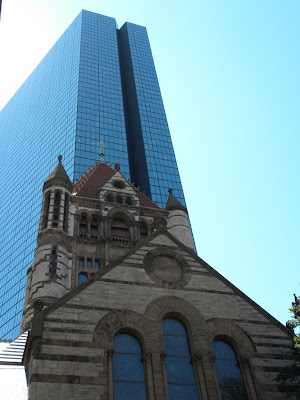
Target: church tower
(49,276)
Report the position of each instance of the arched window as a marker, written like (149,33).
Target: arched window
(56,209)
(143,230)
(66,213)
(109,198)
(46,210)
(179,365)
(83,225)
(228,372)
(94,227)
(128,368)
(119,199)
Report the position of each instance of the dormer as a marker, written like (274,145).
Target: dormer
(118,191)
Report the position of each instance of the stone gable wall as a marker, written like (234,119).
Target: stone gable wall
(72,359)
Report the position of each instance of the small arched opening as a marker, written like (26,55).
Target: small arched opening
(83,225)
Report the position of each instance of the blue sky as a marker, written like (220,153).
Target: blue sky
(229,76)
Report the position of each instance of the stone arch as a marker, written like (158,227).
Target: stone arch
(168,306)
(109,197)
(117,322)
(83,217)
(121,212)
(228,330)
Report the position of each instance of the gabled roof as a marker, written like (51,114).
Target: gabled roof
(89,184)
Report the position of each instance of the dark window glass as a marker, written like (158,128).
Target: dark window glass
(46,210)
(83,225)
(81,263)
(109,198)
(66,213)
(94,227)
(56,209)
(179,366)
(228,372)
(81,277)
(128,369)
(119,200)
(97,264)
(89,263)
(143,231)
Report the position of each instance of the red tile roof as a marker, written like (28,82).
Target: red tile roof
(89,184)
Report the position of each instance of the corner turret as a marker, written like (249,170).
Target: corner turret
(56,195)
(49,276)
(178,221)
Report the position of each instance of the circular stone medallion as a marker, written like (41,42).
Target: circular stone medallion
(167,268)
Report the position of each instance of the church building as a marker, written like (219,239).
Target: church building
(119,306)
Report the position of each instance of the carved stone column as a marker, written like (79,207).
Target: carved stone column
(131,232)
(106,253)
(138,233)
(51,209)
(99,228)
(110,374)
(197,361)
(61,211)
(76,225)
(249,379)
(147,359)
(89,221)
(210,376)
(135,233)
(163,357)
(108,228)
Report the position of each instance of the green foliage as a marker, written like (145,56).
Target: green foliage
(289,376)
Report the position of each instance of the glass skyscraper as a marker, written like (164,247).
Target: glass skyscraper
(96,90)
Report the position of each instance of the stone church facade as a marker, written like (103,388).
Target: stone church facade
(119,306)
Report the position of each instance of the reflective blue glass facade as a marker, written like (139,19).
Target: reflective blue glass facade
(96,88)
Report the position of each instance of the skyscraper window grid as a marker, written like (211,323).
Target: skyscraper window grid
(71,103)
(100,105)
(161,162)
(37,124)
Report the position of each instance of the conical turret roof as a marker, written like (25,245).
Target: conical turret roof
(173,203)
(59,174)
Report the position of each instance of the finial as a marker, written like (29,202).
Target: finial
(101,153)
(117,167)
(59,158)
(170,191)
